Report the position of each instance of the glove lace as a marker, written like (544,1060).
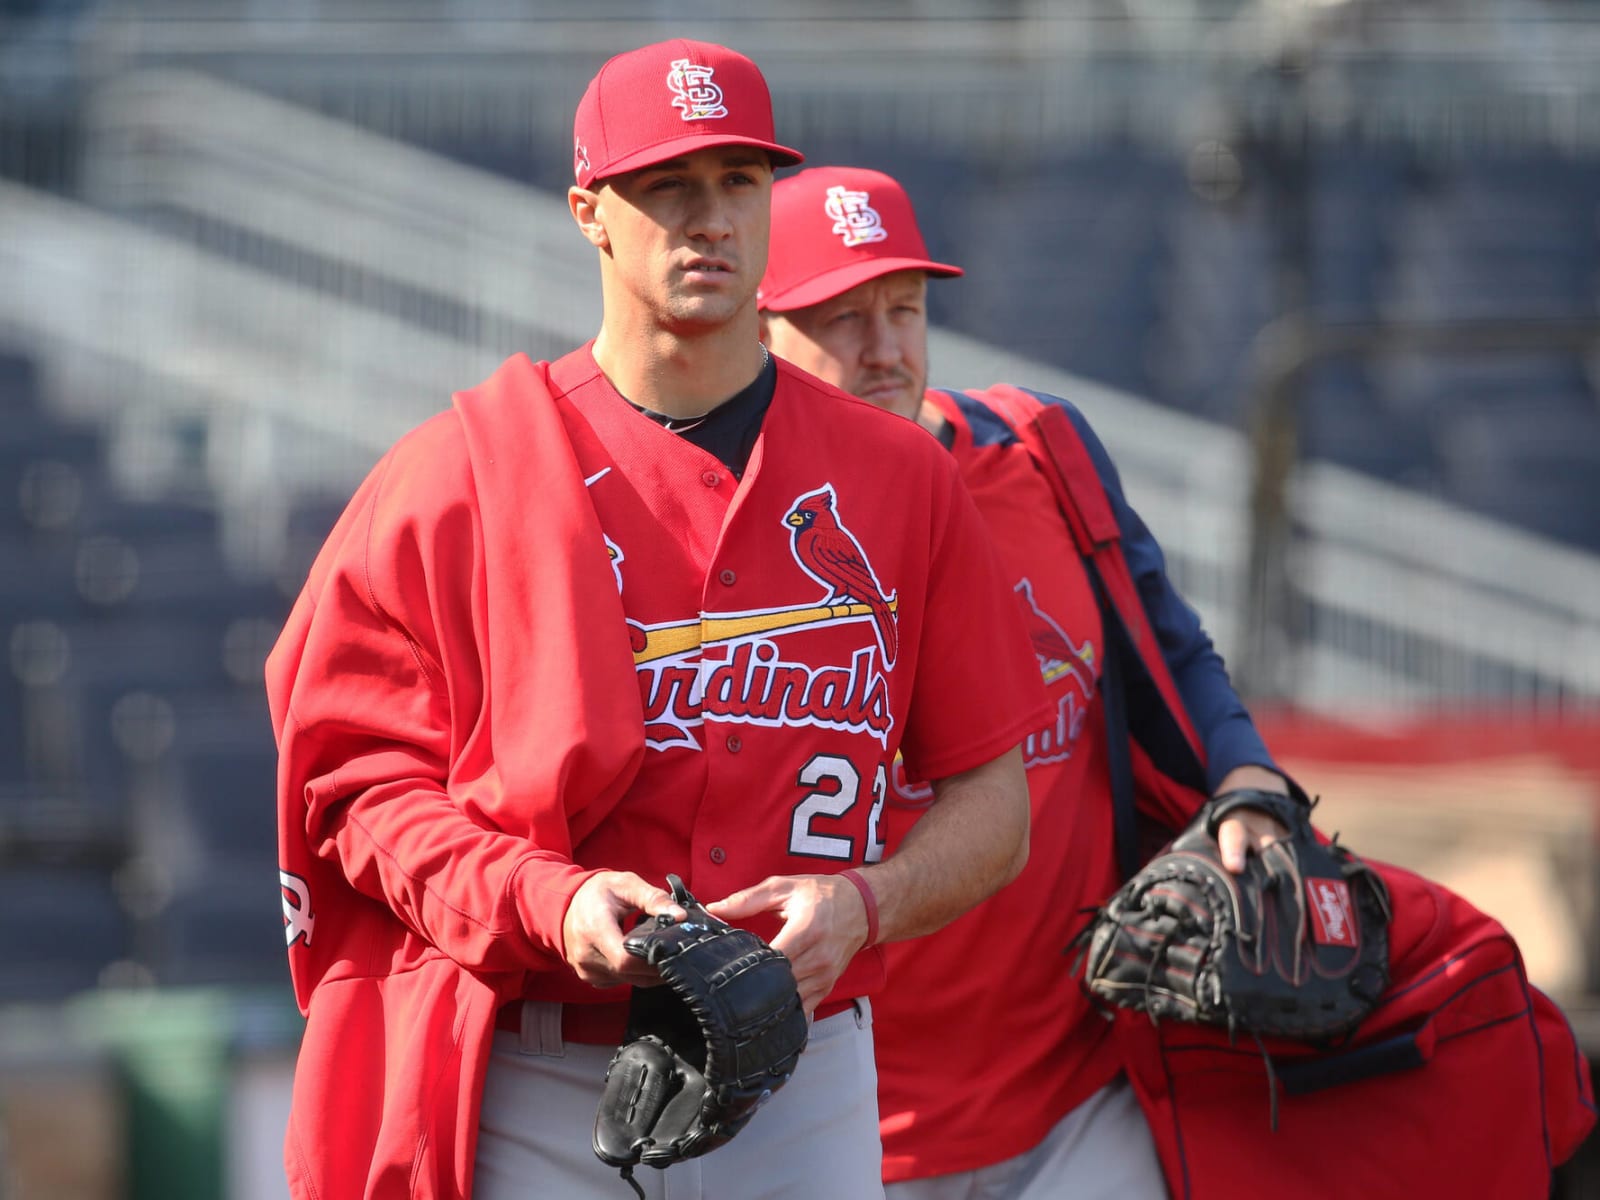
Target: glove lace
(1291,867)
(1157,958)
(1272,1081)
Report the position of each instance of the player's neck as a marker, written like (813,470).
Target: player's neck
(931,419)
(680,376)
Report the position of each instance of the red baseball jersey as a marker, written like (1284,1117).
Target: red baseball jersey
(779,625)
(549,637)
(993,990)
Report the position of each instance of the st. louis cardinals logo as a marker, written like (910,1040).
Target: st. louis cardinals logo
(854,219)
(1056,652)
(830,554)
(1060,659)
(637,637)
(580,157)
(297,916)
(693,92)
(730,666)
(614,553)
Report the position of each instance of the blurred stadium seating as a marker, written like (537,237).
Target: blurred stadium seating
(61,927)
(126,631)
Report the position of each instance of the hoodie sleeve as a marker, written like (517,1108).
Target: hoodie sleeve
(381,698)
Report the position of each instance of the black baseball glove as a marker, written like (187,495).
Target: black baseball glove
(705,1049)
(1296,947)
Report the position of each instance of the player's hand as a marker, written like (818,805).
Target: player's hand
(1248,829)
(602,911)
(824,924)
(1243,831)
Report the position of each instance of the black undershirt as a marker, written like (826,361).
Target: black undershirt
(729,431)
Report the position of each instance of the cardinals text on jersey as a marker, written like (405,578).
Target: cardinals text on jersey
(730,665)
(1061,661)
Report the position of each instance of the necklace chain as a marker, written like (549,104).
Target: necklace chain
(673,424)
(685,424)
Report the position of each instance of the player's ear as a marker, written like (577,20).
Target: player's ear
(585,207)
(764,330)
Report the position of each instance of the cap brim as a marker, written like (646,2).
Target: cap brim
(782,156)
(834,282)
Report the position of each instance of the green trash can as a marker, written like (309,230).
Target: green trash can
(174,1051)
(171,1051)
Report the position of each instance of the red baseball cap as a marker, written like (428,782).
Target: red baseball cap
(667,99)
(834,228)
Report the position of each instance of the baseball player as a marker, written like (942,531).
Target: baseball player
(653,607)
(996,1079)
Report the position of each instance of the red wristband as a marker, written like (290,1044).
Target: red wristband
(861,885)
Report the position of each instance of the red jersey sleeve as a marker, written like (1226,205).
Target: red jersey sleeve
(978,691)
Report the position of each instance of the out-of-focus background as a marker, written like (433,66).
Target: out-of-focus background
(1324,273)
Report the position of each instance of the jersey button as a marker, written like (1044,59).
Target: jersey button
(710,479)
(727,578)
(719,855)
(735,743)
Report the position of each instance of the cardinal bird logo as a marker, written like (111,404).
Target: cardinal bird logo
(1058,655)
(638,637)
(1061,660)
(614,553)
(830,554)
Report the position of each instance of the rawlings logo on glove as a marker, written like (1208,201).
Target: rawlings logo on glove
(704,1050)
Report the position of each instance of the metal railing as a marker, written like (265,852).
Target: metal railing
(286,321)
(1482,609)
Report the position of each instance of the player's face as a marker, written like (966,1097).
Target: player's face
(685,241)
(872,341)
